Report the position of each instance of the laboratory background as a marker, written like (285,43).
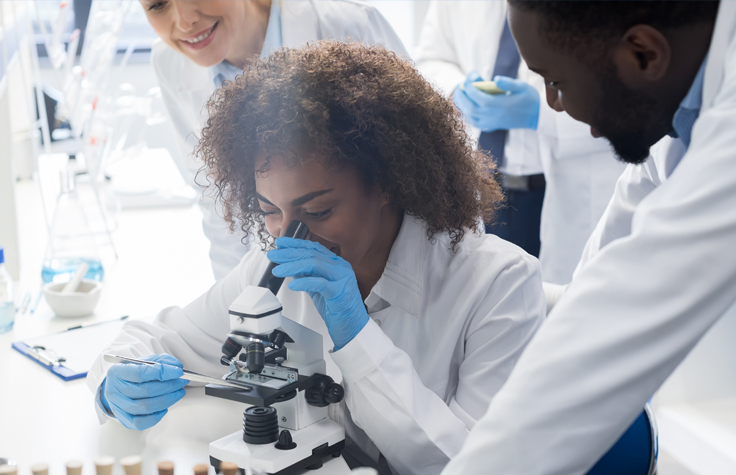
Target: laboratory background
(102,224)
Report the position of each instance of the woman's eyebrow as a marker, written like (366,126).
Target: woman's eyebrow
(309,197)
(261,198)
(299,201)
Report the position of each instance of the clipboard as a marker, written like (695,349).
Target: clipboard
(71,353)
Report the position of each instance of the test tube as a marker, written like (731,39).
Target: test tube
(40,469)
(132,465)
(166,468)
(74,467)
(229,468)
(103,465)
(201,469)
(8,470)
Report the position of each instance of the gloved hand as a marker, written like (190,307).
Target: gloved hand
(517,109)
(328,279)
(139,395)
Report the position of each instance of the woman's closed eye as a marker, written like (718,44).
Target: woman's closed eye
(267,213)
(156,6)
(318,214)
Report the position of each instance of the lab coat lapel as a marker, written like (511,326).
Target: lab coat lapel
(194,78)
(670,152)
(720,46)
(401,283)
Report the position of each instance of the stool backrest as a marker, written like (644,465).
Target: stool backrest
(635,452)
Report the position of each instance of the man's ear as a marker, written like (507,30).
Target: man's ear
(642,56)
(383,198)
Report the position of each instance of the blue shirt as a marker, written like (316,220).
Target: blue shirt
(273,41)
(689,109)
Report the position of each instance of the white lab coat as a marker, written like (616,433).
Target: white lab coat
(660,271)
(186,87)
(462,36)
(446,328)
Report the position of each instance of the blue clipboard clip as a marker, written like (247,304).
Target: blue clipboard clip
(48,359)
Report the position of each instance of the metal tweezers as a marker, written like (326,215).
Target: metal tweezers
(189,375)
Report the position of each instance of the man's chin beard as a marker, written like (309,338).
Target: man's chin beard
(631,121)
(629,149)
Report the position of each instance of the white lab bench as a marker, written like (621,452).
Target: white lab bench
(162,261)
(696,407)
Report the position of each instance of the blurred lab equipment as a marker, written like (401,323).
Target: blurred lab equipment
(72,285)
(73,304)
(71,241)
(7,303)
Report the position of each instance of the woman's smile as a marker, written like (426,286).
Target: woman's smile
(201,39)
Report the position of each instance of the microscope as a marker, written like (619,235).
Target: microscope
(281,368)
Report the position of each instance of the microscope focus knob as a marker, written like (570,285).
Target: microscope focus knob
(285,442)
(334,393)
(324,391)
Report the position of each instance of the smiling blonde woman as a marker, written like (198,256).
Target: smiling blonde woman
(206,42)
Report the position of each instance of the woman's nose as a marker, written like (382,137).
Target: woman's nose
(187,14)
(286,218)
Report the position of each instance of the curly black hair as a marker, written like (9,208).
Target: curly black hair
(575,24)
(352,105)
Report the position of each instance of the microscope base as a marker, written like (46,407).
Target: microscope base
(314,443)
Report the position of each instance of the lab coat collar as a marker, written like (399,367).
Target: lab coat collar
(723,34)
(193,77)
(402,280)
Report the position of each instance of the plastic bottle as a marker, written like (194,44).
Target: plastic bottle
(7,301)
(71,241)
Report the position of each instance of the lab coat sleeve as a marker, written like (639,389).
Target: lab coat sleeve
(386,396)
(226,248)
(634,184)
(625,323)
(193,334)
(435,52)
(178,113)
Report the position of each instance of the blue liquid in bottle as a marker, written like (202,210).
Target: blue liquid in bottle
(63,269)
(7,316)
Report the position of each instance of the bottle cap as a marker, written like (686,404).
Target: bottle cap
(2,255)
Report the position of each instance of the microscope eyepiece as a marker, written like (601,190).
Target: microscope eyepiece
(296,230)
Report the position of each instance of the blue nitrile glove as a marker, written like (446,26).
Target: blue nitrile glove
(517,109)
(140,395)
(328,279)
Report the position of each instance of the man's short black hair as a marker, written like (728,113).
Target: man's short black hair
(567,23)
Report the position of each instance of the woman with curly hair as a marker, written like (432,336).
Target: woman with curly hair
(206,42)
(423,316)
